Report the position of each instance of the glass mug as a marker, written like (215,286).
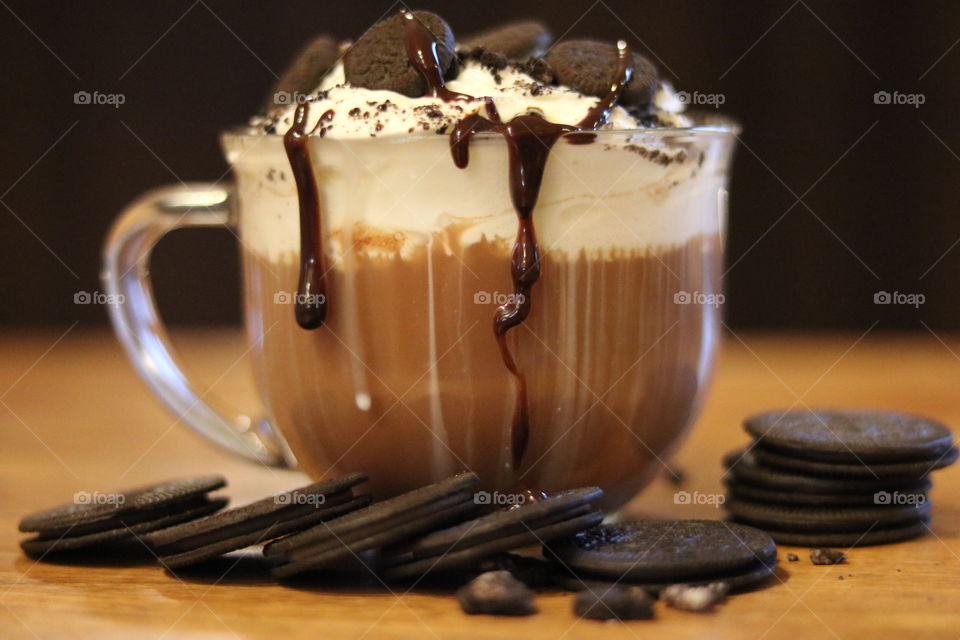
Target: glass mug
(404,380)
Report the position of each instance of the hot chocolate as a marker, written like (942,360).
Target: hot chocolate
(378,259)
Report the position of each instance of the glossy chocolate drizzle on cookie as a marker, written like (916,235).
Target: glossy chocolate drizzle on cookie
(529,139)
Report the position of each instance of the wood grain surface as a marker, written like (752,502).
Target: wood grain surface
(74,416)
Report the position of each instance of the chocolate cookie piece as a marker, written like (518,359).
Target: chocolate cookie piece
(124,531)
(496,593)
(613,603)
(787,518)
(256,522)
(664,550)
(100,511)
(886,535)
(515,40)
(697,599)
(827,556)
(589,66)
(904,470)
(304,73)
(378,60)
(851,436)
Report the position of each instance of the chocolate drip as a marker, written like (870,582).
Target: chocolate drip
(422,54)
(529,139)
(311,302)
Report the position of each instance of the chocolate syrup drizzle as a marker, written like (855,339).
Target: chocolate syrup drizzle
(311,304)
(529,138)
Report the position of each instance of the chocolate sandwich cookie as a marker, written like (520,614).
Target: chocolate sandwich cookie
(469,543)
(256,522)
(733,581)
(741,490)
(497,524)
(380,524)
(590,65)
(90,512)
(304,73)
(101,518)
(877,535)
(813,519)
(124,532)
(898,470)
(851,436)
(379,59)
(515,40)
(657,553)
(744,468)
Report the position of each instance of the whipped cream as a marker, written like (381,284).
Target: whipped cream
(389,185)
(364,113)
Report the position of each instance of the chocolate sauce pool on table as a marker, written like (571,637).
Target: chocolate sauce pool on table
(529,139)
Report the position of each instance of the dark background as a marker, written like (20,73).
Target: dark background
(877,184)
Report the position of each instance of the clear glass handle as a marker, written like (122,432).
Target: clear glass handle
(126,277)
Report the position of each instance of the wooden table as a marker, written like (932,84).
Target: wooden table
(74,416)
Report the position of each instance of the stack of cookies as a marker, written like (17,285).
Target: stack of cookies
(837,477)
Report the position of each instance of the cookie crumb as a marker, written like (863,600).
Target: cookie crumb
(699,599)
(613,603)
(496,593)
(827,556)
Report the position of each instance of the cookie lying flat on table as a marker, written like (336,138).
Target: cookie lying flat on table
(654,550)
(99,518)
(256,522)
(654,554)
(380,524)
(732,581)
